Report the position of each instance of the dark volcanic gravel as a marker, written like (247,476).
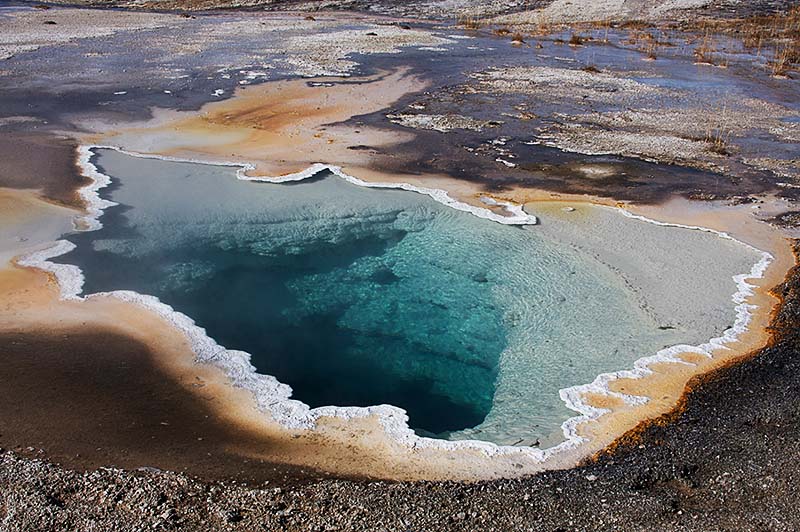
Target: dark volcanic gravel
(727,461)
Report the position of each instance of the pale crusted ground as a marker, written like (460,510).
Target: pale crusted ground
(441,123)
(693,133)
(594,10)
(326,54)
(26,30)
(565,84)
(591,112)
(308,46)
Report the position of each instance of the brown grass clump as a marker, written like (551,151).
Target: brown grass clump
(774,37)
(717,138)
(717,143)
(782,62)
(635,25)
(648,42)
(650,50)
(502,31)
(605,27)
(591,69)
(576,40)
(470,23)
(704,51)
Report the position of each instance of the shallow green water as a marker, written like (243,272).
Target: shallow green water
(359,296)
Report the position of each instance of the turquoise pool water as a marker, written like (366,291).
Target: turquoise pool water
(358,296)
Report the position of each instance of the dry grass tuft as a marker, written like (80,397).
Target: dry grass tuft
(717,137)
(576,40)
(717,143)
(774,37)
(470,23)
(704,51)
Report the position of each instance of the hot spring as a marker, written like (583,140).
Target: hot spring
(358,297)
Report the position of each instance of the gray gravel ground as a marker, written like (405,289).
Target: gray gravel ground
(728,461)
